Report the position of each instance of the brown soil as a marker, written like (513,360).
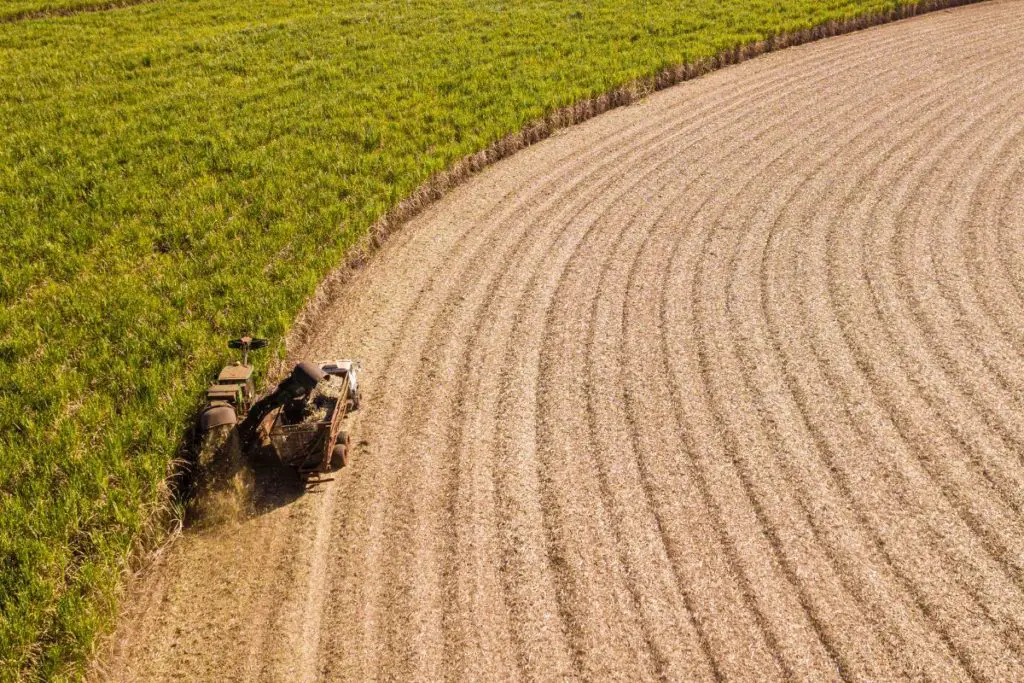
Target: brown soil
(729,383)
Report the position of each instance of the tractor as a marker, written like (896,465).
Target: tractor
(229,399)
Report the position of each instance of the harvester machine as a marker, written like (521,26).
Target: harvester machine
(302,418)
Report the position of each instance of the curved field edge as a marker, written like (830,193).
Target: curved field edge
(118,287)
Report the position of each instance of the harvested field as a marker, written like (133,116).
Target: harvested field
(727,384)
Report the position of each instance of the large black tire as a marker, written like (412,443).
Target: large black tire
(216,415)
(307,375)
(339,455)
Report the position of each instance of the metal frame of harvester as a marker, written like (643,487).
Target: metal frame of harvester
(321,446)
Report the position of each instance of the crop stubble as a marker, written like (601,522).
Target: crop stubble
(724,384)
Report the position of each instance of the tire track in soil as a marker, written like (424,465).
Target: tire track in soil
(766,307)
(714,386)
(1010,250)
(549,325)
(833,239)
(978,253)
(792,387)
(661,216)
(762,276)
(710,161)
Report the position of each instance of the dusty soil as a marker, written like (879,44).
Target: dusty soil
(729,383)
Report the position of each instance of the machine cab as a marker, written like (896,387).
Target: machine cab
(234,385)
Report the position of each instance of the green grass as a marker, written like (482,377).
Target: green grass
(17,10)
(184,171)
